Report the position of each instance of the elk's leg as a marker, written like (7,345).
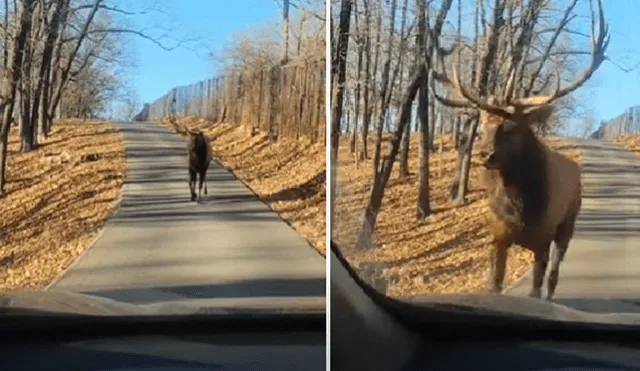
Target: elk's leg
(541,258)
(561,239)
(204,177)
(498,263)
(192,183)
(201,174)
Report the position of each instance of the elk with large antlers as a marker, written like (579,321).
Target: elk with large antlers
(199,156)
(534,193)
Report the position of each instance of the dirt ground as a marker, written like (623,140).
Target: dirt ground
(288,175)
(58,197)
(448,253)
(630,142)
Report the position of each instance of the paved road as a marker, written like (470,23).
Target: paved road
(159,246)
(601,271)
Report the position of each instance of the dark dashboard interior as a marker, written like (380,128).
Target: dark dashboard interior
(196,347)
(367,335)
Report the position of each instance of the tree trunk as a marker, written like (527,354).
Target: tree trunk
(432,124)
(11,78)
(356,103)
(424,206)
(404,152)
(385,94)
(338,64)
(38,113)
(64,73)
(366,96)
(380,182)
(460,183)
(403,168)
(285,32)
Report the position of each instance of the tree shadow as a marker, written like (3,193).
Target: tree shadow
(304,191)
(246,288)
(76,136)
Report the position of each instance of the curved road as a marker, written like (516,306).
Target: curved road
(159,246)
(601,270)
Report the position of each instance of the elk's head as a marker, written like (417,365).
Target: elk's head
(193,134)
(506,121)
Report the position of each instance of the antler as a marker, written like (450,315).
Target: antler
(598,48)
(181,129)
(465,98)
(469,99)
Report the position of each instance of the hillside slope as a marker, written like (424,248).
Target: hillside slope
(629,141)
(58,198)
(446,254)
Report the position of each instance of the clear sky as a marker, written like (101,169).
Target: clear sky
(613,90)
(212,22)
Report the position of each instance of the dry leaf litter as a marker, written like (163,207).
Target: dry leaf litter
(448,253)
(57,199)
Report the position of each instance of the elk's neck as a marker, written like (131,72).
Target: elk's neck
(518,193)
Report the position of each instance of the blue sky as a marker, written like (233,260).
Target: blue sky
(212,22)
(612,90)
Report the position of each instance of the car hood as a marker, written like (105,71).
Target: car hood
(63,302)
(605,311)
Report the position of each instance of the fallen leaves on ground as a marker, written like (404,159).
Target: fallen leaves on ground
(448,253)
(289,175)
(58,197)
(629,141)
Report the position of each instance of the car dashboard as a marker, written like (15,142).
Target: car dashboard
(524,356)
(246,351)
(367,335)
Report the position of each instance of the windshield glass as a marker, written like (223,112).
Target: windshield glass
(163,153)
(487,147)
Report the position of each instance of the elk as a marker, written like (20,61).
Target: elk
(199,157)
(534,193)
(199,154)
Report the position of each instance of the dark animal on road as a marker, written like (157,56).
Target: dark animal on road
(199,158)
(534,193)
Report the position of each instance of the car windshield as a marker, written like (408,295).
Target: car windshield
(480,148)
(162,156)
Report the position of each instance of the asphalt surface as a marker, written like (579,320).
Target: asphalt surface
(601,270)
(160,246)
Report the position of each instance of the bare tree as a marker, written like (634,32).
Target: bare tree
(12,75)
(383,174)
(55,51)
(426,107)
(338,64)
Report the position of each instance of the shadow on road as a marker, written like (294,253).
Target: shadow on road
(613,169)
(171,214)
(294,287)
(138,130)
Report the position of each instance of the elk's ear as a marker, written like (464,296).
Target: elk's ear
(538,114)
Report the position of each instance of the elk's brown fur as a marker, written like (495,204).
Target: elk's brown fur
(534,193)
(199,157)
(534,196)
